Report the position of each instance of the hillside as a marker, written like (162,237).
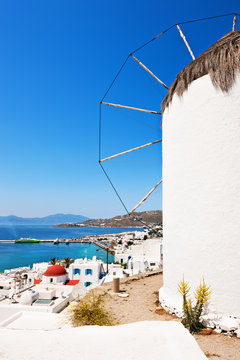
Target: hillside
(46,220)
(138,219)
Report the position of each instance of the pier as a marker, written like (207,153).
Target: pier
(77,240)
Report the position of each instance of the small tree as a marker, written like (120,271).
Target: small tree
(67,261)
(192,313)
(53,261)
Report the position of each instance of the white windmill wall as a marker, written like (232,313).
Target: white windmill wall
(201,193)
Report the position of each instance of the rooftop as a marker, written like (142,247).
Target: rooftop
(220,61)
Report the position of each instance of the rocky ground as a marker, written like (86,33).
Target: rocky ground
(142,304)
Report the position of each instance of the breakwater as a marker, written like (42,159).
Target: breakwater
(105,246)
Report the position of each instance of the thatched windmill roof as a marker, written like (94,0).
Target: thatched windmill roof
(221,61)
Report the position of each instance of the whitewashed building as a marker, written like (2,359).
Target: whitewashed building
(89,272)
(114,271)
(147,255)
(201,172)
(123,256)
(55,274)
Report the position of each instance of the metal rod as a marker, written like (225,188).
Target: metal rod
(234,22)
(185,40)
(145,198)
(128,151)
(132,108)
(149,71)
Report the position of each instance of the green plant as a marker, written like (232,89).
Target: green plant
(89,311)
(67,261)
(192,313)
(53,261)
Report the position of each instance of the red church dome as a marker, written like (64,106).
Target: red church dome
(55,270)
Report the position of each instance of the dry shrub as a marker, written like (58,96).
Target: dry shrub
(89,311)
(209,355)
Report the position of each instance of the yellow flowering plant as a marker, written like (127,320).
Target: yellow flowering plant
(192,313)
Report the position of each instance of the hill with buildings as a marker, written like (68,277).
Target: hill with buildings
(138,219)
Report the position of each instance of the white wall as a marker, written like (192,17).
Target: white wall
(55,279)
(201,193)
(94,265)
(122,258)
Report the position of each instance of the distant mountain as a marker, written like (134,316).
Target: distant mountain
(137,219)
(46,220)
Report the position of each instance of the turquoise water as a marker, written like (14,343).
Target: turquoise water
(14,255)
(44,302)
(45,232)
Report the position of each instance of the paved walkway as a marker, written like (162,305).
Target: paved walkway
(137,341)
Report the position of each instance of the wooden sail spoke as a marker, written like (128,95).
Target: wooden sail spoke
(234,22)
(149,71)
(131,108)
(185,40)
(128,151)
(145,198)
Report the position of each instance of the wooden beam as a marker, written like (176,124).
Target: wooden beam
(128,151)
(145,198)
(132,108)
(149,71)
(185,40)
(234,22)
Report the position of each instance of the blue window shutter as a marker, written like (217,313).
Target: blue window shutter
(91,271)
(85,271)
(85,284)
(79,271)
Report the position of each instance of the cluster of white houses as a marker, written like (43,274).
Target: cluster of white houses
(49,288)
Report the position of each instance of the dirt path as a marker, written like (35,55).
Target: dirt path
(142,304)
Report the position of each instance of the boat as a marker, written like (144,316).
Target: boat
(67,242)
(56,242)
(27,241)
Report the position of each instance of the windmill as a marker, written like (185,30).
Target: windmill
(201,171)
(133,56)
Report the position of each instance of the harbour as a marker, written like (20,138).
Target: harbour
(68,241)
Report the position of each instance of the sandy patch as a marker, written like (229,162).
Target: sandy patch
(142,304)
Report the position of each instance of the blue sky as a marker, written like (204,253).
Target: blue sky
(57,59)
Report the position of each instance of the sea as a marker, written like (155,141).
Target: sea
(14,255)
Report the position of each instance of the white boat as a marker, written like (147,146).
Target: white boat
(56,242)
